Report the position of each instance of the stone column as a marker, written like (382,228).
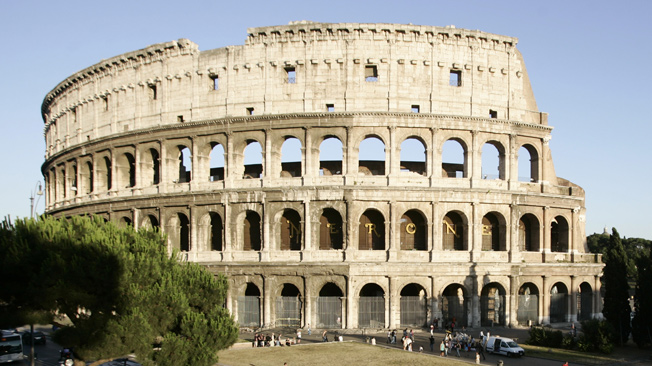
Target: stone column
(573,299)
(164,167)
(394,245)
(510,302)
(597,298)
(474,171)
(351,319)
(227,247)
(546,230)
(307,296)
(393,310)
(229,161)
(266,240)
(545,302)
(475,232)
(307,230)
(267,303)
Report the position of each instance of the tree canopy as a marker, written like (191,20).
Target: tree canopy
(120,288)
(616,307)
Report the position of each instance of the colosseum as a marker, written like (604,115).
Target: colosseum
(341,175)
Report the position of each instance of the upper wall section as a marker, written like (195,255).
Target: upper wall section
(303,67)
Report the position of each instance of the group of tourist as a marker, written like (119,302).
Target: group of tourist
(265,340)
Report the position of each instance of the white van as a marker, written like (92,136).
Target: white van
(504,346)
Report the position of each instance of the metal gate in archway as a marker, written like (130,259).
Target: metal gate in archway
(528,309)
(371,312)
(288,311)
(329,312)
(249,311)
(413,311)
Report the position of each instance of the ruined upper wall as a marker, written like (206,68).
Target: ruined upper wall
(173,82)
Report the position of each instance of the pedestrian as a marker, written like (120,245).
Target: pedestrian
(412,335)
(389,336)
(442,346)
(480,350)
(309,330)
(298,336)
(324,337)
(432,343)
(432,329)
(457,348)
(393,336)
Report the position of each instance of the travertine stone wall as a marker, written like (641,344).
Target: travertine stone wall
(134,138)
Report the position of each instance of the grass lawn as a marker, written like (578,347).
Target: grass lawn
(570,356)
(333,353)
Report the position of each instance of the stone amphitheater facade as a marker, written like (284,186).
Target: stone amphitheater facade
(335,173)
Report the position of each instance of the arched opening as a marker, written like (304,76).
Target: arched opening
(150,222)
(454,159)
(371,231)
(492,300)
(528,233)
(453,232)
(125,221)
(559,235)
(329,306)
(104,172)
(528,304)
(528,164)
(493,233)
(249,307)
(126,169)
(290,230)
(414,231)
(185,165)
(493,161)
(413,156)
(87,179)
(371,157)
(585,302)
(251,233)
(371,309)
(253,160)
(331,235)
(288,307)
(414,312)
(179,232)
(558,303)
(216,172)
(330,156)
(291,158)
(156,166)
(73,184)
(215,231)
(454,305)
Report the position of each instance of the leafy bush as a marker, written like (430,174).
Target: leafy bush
(596,336)
(540,336)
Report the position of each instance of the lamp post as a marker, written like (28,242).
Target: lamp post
(36,193)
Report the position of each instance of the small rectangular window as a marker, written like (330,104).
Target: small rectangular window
(152,91)
(105,102)
(330,107)
(370,73)
(179,118)
(216,82)
(250,111)
(493,114)
(74,115)
(415,108)
(455,78)
(291,75)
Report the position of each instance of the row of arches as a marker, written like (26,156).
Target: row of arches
(417,308)
(372,231)
(148,165)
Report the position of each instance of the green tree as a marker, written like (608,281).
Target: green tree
(120,288)
(616,307)
(642,322)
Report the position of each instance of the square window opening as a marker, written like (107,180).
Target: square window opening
(371,73)
(105,103)
(455,78)
(493,114)
(216,82)
(291,75)
(152,92)
(330,107)
(250,111)
(415,108)
(179,118)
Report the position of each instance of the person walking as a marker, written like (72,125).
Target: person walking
(432,343)
(442,347)
(480,350)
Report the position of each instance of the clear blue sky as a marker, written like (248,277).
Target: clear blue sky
(589,63)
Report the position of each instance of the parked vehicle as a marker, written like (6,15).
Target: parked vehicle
(39,337)
(11,346)
(504,346)
(66,357)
